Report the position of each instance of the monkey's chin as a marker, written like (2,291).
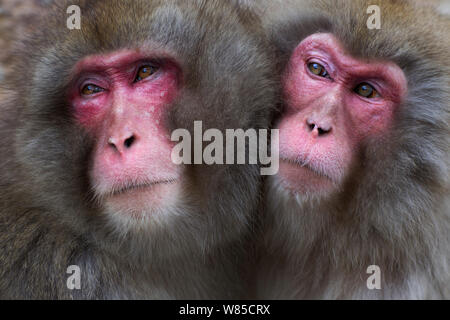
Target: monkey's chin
(140,201)
(300,179)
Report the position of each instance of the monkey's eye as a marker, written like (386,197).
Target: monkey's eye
(90,89)
(145,72)
(366,90)
(318,70)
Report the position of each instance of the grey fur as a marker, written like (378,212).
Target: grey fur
(47,218)
(394,209)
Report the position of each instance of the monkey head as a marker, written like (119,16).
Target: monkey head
(98,107)
(364,147)
(356,102)
(333,103)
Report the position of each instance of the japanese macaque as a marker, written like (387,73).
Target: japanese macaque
(87,181)
(360,206)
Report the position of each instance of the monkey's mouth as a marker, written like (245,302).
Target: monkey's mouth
(304,178)
(305,165)
(136,199)
(136,187)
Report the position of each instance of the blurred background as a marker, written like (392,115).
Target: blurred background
(17,17)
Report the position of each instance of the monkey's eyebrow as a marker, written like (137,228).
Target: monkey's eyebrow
(118,60)
(128,66)
(91,70)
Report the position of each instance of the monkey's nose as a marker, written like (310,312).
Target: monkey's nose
(122,144)
(316,129)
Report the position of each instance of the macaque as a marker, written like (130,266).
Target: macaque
(360,208)
(87,181)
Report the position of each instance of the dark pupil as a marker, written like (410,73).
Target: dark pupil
(365,89)
(93,88)
(319,70)
(144,71)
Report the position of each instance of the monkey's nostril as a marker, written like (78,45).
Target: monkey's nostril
(319,130)
(323,131)
(128,142)
(112,143)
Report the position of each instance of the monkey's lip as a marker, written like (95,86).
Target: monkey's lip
(303,178)
(136,187)
(305,165)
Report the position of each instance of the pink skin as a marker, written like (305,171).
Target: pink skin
(313,162)
(125,109)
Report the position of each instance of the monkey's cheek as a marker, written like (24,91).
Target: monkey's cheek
(146,202)
(303,180)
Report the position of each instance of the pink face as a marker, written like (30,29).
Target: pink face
(121,100)
(333,102)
